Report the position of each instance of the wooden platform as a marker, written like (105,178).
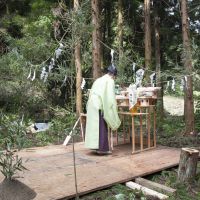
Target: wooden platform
(51,174)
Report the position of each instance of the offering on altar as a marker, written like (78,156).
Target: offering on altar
(151,92)
(122,99)
(147,95)
(133,98)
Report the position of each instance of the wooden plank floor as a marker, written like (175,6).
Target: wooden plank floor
(51,174)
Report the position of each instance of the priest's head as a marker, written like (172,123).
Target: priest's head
(112,70)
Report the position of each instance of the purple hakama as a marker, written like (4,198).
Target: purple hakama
(103,134)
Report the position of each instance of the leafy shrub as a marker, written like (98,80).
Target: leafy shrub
(10,164)
(12,135)
(12,132)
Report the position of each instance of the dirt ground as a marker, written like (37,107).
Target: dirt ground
(174,105)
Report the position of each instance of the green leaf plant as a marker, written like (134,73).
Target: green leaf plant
(12,137)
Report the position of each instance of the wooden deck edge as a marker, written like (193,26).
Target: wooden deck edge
(118,182)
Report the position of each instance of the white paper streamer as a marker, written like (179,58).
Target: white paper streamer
(167,85)
(34,74)
(50,68)
(112,55)
(58,52)
(139,77)
(173,85)
(83,84)
(43,73)
(182,84)
(186,81)
(152,79)
(21,122)
(134,64)
(29,75)
(46,76)
(52,63)
(132,93)
(61,45)
(64,81)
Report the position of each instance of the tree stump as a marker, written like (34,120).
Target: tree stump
(187,164)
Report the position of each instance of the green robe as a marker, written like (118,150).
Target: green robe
(102,97)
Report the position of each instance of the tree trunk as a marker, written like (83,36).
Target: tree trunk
(96,36)
(120,28)
(157,58)
(106,35)
(147,34)
(77,55)
(187,60)
(188,164)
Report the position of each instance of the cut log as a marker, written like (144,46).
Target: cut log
(146,190)
(188,164)
(155,186)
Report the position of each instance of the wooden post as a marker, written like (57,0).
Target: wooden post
(124,137)
(141,135)
(149,127)
(117,139)
(154,127)
(133,135)
(187,164)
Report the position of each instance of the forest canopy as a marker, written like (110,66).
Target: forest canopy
(38,39)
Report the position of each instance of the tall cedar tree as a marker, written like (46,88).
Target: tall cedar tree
(158,56)
(77,55)
(96,38)
(120,28)
(187,61)
(147,34)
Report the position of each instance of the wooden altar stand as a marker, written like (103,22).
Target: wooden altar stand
(145,120)
(143,139)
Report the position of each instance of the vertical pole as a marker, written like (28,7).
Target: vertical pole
(129,130)
(124,129)
(82,132)
(74,163)
(149,127)
(111,139)
(117,137)
(154,128)
(133,135)
(141,134)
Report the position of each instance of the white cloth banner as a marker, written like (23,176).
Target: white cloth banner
(132,94)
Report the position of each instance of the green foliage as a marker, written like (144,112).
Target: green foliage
(10,164)
(125,70)
(41,6)
(12,135)
(12,132)
(36,45)
(117,192)
(171,133)
(184,191)
(197,113)
(172,125)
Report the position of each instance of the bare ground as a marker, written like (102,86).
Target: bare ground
(174,105)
